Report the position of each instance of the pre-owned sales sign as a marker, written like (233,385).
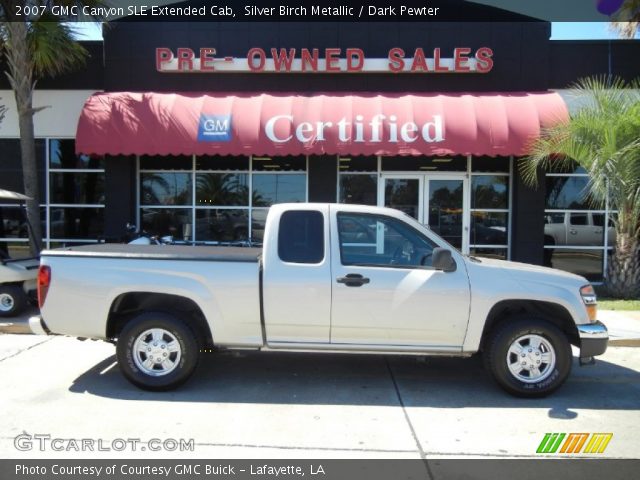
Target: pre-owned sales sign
(328,60)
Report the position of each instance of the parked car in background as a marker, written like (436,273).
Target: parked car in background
(577,229)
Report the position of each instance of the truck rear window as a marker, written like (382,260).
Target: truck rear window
(301,236)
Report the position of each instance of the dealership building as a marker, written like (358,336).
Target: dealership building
(195,129)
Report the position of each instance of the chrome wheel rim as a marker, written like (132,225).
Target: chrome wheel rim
(6,302)
(531,358)
(156,352)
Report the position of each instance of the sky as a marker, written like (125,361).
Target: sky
(559,31)
(581,30)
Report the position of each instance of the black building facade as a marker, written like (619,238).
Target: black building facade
(479,203)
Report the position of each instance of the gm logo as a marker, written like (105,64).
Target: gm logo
(214,128)
(574,443)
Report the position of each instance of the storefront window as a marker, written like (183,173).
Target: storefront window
(258,223)
(278,188)
(11,166)
(165,188)
(76,194)
(225,189)
(167,221)
(490,204)
(217,199)
(76,223)
(361,189)
(74,188)
(567,192)
(62,156)
(489,191)
(434,191)
(489,228)
(585,262)
(575,236)
(216,225)
(14,239)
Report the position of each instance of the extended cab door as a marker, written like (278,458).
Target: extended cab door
(385,293)
(297,274)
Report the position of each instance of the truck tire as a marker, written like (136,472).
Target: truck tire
(13,300)
(157,351)
(528,356)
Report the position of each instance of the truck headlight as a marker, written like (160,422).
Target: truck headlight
(588,295)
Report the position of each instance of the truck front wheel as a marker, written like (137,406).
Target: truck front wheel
(528,357)
(157,351)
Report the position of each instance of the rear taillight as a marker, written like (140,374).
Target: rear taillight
(44,280)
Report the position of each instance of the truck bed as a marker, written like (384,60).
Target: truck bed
(160,252)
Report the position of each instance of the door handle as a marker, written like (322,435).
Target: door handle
(573,232)
(353,280)
(599,231)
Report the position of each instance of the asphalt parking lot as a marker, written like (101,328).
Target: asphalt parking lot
(285,405)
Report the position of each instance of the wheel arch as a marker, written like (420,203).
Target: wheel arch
(554,313)
(127,305)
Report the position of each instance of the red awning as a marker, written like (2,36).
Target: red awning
(285,124)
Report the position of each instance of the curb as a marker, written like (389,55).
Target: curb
(624,342)
(15,328)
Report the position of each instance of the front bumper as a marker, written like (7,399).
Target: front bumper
(593,339)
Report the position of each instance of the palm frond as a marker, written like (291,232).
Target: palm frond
(53,47)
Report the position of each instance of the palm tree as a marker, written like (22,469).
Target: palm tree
(33,48)
(627,19)
(604,138)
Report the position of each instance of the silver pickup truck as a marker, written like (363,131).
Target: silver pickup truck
(330,278)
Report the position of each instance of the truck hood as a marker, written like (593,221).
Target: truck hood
(526,273)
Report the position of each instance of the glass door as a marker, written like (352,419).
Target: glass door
(447,215)
(439,201)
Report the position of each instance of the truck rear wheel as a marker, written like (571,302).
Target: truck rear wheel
(157,351)
(528,357)
(13,300)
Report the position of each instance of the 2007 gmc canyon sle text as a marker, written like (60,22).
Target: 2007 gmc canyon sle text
(331,277)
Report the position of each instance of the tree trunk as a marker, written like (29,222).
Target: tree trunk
(21,79)
(623,270)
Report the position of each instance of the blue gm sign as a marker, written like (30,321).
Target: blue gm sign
(214,128)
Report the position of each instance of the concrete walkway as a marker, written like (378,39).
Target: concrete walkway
(624,326)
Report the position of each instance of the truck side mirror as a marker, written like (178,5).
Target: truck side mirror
(442,260)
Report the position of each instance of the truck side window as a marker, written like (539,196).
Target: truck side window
(554,218)
(376,240)
(301,236)
(598,219)
(579,219)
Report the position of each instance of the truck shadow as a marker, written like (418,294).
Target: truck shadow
(339,379)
